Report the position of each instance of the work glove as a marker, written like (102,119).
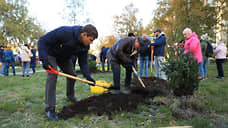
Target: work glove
(152,48)
(92,80)
(46,65)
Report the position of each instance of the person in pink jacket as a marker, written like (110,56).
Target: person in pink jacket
(192,44)
(220,57)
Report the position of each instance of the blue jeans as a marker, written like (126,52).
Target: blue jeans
(3,68)
(7,64)
(26,66)
(144,60)
(203,68)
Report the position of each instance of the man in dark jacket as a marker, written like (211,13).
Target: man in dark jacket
(56,49)
(144,53)
(159,53)
(123,52)
(103,58)
(33,60)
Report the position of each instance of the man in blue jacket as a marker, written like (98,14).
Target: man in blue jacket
(9,60)
(56,49)
(33,60)
(159,53)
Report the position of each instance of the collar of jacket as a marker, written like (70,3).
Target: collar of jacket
(77,30)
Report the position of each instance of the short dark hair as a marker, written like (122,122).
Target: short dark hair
(131,34)
(90,30)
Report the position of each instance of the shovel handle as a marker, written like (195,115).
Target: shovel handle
(72,77)
(82,80)
(140,80)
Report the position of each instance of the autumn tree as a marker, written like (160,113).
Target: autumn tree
(74,12)
(222,19)
(16,26)
(128,22)
(173,16)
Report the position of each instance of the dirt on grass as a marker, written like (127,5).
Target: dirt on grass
(109,103)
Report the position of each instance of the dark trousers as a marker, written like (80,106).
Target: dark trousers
(103,64)
(33,66)
(116,75)
(50,92)
(74,59)
(219,63)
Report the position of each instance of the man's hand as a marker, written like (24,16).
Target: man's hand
(92,80)
(46,65)
(130,63)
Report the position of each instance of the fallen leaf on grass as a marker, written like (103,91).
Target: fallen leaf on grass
(86,117)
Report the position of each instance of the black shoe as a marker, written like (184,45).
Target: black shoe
(126,89)
(72,99)
(219,77)
(23,75)
(114,88)
(50,114)
(14,74)
(27,75)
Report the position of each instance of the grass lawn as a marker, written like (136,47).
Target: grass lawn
(22,105)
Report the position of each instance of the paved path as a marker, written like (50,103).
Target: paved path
(20,73)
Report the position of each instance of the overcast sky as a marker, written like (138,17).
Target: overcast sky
(101,12)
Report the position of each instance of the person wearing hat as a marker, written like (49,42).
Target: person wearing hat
(159,53)
(123,52)
(56,49)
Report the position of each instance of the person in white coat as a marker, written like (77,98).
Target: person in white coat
(220,57)
(26,55)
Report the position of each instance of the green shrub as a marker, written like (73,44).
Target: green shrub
(181,69)
(92,64)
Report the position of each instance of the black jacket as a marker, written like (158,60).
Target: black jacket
(144,49)
(120,52)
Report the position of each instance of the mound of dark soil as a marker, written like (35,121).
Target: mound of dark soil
(108,103)
(103,104)
(153,85)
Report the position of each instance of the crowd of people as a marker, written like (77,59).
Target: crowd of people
(26,57)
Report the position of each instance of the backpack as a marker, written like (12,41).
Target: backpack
(209,50)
